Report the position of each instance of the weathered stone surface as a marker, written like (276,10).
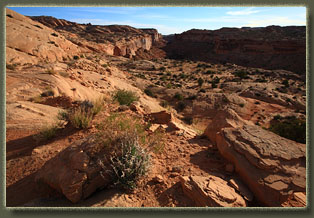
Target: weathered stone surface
(226,118)
(211,191)
(300,197)
(75,172)
(162,117)
(271,166)
(45,43)
(242,189)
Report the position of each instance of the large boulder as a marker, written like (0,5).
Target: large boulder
(271,166)
(211,191)
(76,171)
(225,118)
(167,118)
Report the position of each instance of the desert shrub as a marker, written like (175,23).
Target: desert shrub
(75,57)
(200,81)
(149,92)
(182,75)
(128,145)
(181,106)
(286,83)
(261,80)
(290,128)
(214,85)
(178,96)
(241,74)
(188,120)
(277,117)
(54,34)
(162,68)
(208,72)
(125,97)
(98,105)
(80,118)
(203,90)
(192,97)
(169,86)
(164,104)
(241,105)
(47,132)
(129,162)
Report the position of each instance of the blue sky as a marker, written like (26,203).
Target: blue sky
(169,20)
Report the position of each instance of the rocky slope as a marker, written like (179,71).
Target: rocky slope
(272,47)
(30,42)
(119,40)
(205,120)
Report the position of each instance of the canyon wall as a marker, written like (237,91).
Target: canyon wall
(119,40)
(272,47)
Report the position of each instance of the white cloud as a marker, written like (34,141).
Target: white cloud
(282,21)
(246,11)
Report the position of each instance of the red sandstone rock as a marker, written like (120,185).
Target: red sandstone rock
(211,191)
(271,166)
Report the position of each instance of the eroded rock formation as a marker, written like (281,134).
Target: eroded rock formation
(271,166)
(272,47)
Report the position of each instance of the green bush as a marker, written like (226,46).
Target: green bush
(149,92)
(127,145)
(75,57)
(178,96)
(241,74)
(47,133)
(125,97)
(188,120)
(164,104)
(81,118)
(286,83)
(200,81)
(290,128)
(129,163)
(181,106)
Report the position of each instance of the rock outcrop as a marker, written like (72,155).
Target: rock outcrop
(271,166)
(28,41)
(272,47)
(211,191)
(223,119)
(76,172)
(118,40)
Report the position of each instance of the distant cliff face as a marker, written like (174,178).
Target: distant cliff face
(271,47)
(117,40)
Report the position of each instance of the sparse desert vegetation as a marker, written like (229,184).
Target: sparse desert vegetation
(115,116)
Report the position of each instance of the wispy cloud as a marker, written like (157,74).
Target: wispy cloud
(152,16)
(282,21)
(113,10)
(246,11)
